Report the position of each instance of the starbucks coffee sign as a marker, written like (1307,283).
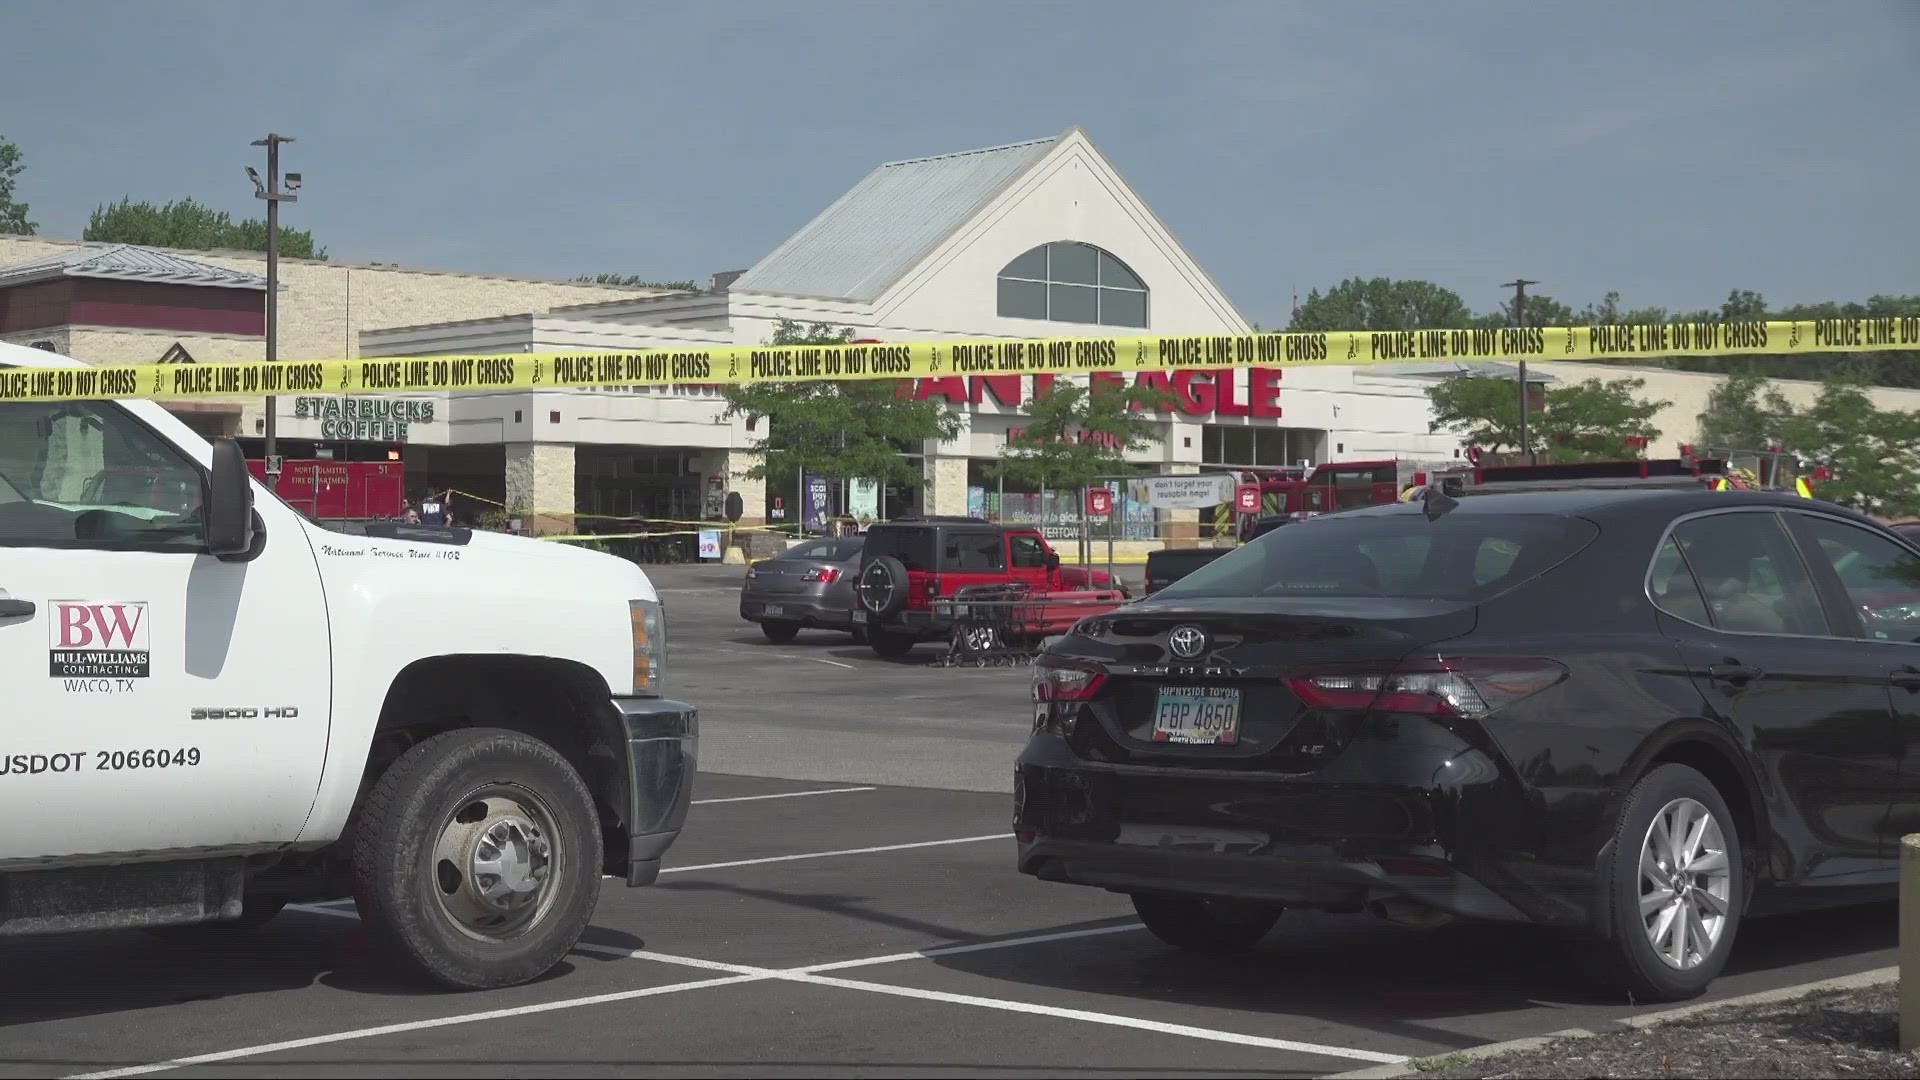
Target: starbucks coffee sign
(372,419)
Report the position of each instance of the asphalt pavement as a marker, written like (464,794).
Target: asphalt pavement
(843,902)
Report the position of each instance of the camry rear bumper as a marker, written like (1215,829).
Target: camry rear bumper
(1460,844)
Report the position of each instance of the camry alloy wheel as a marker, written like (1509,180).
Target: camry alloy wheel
(1686,883)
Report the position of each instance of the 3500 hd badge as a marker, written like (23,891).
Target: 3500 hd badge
(281,712)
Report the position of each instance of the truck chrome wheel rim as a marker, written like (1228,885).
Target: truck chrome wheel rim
(1685,883)
(496,862)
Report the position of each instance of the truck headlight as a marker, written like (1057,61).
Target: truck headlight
(649,645)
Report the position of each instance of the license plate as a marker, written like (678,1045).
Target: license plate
(859,616)
(1197,715)
(773,611)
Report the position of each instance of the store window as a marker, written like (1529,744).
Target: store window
(1072,282)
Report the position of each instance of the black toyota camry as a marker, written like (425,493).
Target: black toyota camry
(1635,714)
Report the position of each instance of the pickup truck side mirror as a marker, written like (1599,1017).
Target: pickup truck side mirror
(230,517)
(1053,560)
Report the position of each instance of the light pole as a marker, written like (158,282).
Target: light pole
(272,193)
(1519,287)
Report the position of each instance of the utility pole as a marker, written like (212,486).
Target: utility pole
(274,195)
(1519,287)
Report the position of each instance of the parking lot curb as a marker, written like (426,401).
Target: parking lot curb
(1384,1072)
(1856,981)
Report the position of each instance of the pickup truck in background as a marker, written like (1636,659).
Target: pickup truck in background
(1168,565)
(217,707)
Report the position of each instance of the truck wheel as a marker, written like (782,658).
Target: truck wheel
(1205,924)
(889,644)
(476,859)
(780,632)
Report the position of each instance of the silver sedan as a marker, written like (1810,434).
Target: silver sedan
(809,585)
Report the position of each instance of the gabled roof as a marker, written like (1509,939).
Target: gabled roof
(128,262)
(882,228)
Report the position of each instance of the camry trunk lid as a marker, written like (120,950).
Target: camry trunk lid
(1217,686)
(1271,656)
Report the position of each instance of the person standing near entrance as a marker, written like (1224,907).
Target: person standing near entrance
(433,508)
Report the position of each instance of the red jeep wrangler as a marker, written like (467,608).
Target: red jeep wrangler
(909,565)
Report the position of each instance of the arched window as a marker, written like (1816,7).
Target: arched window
(1072,282)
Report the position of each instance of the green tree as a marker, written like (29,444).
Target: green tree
(1588,421)
(1381,304)
(187,224)
(13,214)
(1874,453)
(637,281)
(1541,311)
(1743,414)
(1075,435)
(857,428)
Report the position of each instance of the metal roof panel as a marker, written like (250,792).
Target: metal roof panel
(878,231)
(130,262)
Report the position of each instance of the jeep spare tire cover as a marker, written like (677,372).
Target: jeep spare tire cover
(883,586)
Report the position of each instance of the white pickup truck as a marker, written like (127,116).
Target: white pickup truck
(214,707)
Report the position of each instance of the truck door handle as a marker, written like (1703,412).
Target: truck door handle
(1737,674)
(1906,677)
(15,609)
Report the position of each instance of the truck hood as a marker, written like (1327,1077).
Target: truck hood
(538,571)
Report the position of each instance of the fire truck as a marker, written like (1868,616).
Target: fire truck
(340,490)
(1344,485)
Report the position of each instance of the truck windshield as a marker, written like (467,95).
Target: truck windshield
(1460,557)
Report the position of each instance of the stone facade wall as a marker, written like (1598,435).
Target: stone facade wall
(946,494)
(540,476)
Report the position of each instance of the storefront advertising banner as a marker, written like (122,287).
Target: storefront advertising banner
(1183,492)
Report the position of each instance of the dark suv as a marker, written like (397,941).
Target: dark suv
(909,565)
(1634,714)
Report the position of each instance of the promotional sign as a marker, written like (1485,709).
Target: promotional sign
(1246,498)
(815,512)
(863,499)
(1183,492)
(1099,502)
(709,543)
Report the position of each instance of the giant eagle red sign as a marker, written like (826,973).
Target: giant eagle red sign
(1195,393)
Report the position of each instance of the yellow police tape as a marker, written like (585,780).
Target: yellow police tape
(628,519)
(727,365)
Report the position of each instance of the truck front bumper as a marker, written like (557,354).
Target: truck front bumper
(663,741)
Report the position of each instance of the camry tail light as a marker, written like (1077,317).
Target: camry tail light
(1469,687)
(828,574)
(1058,679)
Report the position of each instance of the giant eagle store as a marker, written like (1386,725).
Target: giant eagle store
(1028,240)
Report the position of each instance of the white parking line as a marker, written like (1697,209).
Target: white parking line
(762,861)
(835,663)
(830,854)
(807,975)
(735,974)
(783,795)
(416,1025)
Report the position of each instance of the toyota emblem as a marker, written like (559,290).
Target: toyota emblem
(1187,642)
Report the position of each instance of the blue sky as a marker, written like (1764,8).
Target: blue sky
(1670,151)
